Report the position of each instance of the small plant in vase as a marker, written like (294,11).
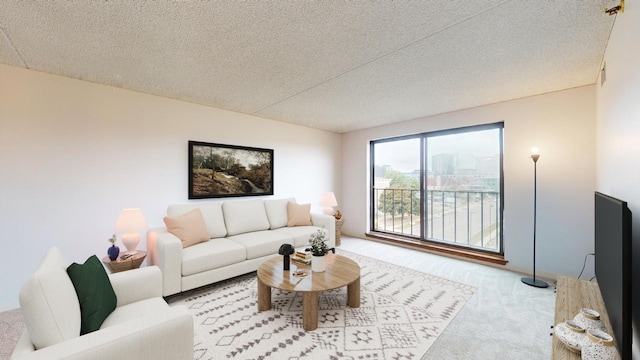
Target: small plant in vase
(318,247)
(114,250)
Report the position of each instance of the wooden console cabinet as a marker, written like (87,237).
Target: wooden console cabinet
(571,295)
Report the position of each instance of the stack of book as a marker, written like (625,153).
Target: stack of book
(302,257)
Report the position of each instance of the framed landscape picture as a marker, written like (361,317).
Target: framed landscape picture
(218,170)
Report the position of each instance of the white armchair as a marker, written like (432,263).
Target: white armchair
(142,326)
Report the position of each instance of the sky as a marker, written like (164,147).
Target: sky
(404,155)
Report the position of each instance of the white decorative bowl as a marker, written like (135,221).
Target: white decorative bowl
(590,319)
(572,335)
(574,326)
(599,347)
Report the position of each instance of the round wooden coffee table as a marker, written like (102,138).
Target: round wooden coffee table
(340,271)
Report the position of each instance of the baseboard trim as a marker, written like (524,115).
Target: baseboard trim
(438,248)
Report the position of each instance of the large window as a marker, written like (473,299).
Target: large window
(396,186)
(442,186)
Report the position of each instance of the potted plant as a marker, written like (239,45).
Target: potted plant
(114,250)
(318,247)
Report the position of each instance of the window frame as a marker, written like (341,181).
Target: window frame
(423,136)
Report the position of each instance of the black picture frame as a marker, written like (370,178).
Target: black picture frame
(220,170)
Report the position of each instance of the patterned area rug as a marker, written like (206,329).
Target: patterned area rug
(401,314)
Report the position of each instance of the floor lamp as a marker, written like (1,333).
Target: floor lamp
(527,280)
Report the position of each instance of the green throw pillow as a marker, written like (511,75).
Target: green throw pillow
(95,293)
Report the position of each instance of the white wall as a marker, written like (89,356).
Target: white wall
(618,124)
(562,125)
(73,153)
(618,107)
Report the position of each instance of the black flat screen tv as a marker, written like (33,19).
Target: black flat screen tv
(613,265)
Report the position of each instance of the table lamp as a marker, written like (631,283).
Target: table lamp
(328,201)
(130,223)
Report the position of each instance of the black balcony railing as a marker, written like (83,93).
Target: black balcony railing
(467,218)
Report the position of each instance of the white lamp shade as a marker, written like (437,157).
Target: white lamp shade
(130,223)
(328,201)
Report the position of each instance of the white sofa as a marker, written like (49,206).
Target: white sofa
(243,234)
(142,326)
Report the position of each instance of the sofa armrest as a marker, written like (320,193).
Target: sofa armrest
(136,285)
(168,335)
(164,250)
(24,346)
(327,222)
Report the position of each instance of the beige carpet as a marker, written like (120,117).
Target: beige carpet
(504,319)
(402,312)
(11,328)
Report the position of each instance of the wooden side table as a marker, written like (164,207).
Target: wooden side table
(339,230)
(118,265)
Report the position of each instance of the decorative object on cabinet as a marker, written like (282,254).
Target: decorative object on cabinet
(599,347)
(589,319)
(572,335)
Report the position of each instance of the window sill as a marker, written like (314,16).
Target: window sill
(438,248)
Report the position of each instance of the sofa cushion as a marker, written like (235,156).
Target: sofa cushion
(244,216)
(189,227)
(94,291)
(211,213)
(298,214)
(262,243)
(147,308)
(211,255)
(277,212)
(49,304)
(300,234)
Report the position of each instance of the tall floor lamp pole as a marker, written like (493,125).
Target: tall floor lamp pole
(527,280)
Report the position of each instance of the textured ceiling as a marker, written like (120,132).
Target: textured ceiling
(334,65)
